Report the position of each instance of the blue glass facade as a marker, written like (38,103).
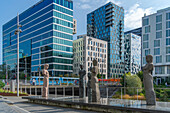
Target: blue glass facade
(46,38)
(107,23)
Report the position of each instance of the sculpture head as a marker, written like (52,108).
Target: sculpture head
(81,66)
(149,58)
(94,62)
(46,66)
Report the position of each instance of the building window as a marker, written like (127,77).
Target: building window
(145,37)
(168,24)
(159,18)
(168,69)
(167,58)
(167,33)
(159,34)
(159,26)
(158,59)
(147,52)
(146,21)
(147,29)
(145,45)
(168,41)
(157,51)
(167,50)
(156,43)
(167,16)
(159,70)
(144,60)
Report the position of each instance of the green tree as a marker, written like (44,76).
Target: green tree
(140,75)
(3,71)
(131,82)
(2,84)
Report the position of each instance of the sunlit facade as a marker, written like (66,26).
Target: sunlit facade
(156,41)
(107,23)
(47,37)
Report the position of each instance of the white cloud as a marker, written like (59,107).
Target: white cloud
(133,16)
(82,6)
(85,6)
(114,1)
(85,1)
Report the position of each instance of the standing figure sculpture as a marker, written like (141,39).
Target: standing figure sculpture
(89,90)
(82,74)
(148,81)
(45,80)
(94,82)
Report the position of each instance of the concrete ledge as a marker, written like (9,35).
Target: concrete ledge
(91,106)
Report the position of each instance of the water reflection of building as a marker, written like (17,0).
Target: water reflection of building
(46,38)
(132,53)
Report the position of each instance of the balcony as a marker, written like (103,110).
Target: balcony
(109,23)
(109,15)
(109,11)
(110,19)
(109,7)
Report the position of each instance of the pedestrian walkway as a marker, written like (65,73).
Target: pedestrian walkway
(5,108)
(23,105)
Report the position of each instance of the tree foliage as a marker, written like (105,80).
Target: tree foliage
(132,81)
(140,75)
(2,84)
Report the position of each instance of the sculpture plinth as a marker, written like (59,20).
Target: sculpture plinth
(45,81)
(148,81)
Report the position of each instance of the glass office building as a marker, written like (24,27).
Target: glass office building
(132,53)
(107,23)
(47,37)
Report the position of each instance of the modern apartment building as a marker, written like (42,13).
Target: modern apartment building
(86,49)
(47,37)
(132,53)
(107,23)
(156,41)
(137,31)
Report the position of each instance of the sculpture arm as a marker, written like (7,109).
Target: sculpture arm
(145,67)
(43,72)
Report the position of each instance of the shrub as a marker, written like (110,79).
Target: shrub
(2,84)
(126,96)
(70,83)
(133,81)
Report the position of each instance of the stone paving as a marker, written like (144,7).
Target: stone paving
(5,108)
(22,106)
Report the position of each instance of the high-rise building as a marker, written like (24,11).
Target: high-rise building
(47,37)
(107,23)
(137,31)
(156,41)
(86,49)
(132,53)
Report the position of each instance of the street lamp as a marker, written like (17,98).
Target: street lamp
(6,73)
(17,33)
(39,64)
(25,69)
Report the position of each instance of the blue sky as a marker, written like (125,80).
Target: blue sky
(134,10)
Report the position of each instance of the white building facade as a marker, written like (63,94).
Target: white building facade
(156,41)
(85,49)
(132,53)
